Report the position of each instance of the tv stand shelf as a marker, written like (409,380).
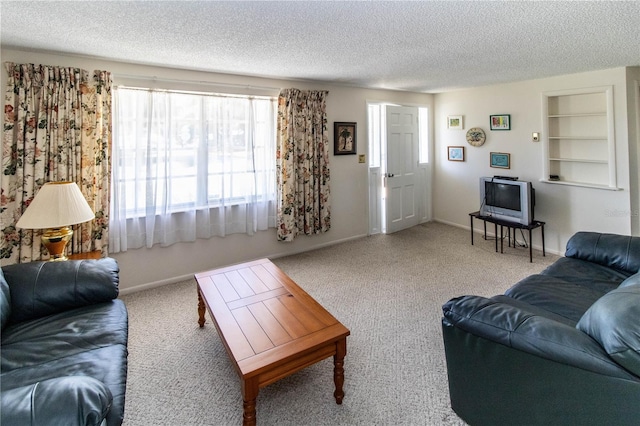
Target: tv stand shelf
(509,225)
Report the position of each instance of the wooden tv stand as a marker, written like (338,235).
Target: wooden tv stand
(509,225)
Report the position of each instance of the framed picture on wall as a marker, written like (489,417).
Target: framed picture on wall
(500,160)
(456,153)
(454,122)
(500,122)
(344,138)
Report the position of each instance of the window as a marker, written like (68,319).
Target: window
(177,152)
(423,147)
(377,130)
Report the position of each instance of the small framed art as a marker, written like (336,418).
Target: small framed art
(500,160)
(456,153)
(500,122)
(454,122)
(344,138)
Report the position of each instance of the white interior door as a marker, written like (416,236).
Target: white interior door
(401,180)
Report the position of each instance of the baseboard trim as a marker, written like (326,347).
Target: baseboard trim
(155,284)
(490,233)
(180,278)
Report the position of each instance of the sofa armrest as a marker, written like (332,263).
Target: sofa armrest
(71,400)
(620,252)
(535,334)
(5,301)
(43,288)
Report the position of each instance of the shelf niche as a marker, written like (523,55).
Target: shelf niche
(578,137)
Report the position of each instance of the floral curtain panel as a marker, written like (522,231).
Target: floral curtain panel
(57,127)
(302,164)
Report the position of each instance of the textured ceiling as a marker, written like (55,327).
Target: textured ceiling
(429,46)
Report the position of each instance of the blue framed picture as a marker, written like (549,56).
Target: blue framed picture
(500,160)
(456,153)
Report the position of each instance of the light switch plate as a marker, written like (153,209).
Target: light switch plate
(361,158)
(535,136)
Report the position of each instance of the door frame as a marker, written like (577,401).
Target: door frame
(377,164)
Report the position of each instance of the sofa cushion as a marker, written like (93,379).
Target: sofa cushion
(585,273)
(619,252)
(88,341)
(613,322)
(64,334)
(568,299)
(5,301)
(568,287)
(44,288)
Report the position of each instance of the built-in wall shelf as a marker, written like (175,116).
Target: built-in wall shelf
(593,114)
(584,185)
(579,160)
(578,138)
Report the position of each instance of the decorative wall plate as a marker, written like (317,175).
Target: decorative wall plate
(476,136)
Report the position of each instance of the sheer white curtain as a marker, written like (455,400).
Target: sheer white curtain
(190,165)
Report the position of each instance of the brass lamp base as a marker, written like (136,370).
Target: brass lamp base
(55,240)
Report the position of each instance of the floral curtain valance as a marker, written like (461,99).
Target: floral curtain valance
(302,164)
(57,127)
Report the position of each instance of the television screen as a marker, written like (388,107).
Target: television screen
(507,199)
(502,195)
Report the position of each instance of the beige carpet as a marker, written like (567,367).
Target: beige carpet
(387,289)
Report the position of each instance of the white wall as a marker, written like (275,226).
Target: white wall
(455,184)
(565,209)
(633,99)
(349,186)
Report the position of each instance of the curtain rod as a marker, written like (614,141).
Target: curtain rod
(198,92)
(209,83)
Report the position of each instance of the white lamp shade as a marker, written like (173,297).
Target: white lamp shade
(57,204)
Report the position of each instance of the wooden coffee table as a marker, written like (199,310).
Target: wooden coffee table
(270,327)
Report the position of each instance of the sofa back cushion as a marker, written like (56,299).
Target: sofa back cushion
(44,288)
(620,252)
(613,321)
(5,301)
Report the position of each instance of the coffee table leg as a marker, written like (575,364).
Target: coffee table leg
(338,369)
(249,396)
(201,309)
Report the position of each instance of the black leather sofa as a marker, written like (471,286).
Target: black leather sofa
(558,348)
(64,344)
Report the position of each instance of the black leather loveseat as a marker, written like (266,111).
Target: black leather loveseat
(64,344)
(558,348)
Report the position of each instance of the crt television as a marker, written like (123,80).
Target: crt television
(507,199)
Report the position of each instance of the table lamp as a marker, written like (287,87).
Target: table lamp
(56,207)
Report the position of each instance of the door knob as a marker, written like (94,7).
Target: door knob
(390,175)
